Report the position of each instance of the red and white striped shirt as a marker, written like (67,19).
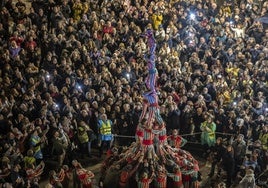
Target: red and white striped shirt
(144,183)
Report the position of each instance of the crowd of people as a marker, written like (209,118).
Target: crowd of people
(69,65)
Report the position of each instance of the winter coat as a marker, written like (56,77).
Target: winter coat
(208,135)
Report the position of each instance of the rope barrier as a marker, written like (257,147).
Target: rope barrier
(123,136)
(191,134)
(193,142)
(224,133)
(261,174)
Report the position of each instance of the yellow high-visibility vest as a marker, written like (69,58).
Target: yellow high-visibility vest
(105,128)
(263,138)
(29,161)
(36,141)
(83,137)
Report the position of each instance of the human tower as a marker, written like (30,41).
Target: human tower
(150,161)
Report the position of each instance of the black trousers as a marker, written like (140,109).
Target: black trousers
(105,145)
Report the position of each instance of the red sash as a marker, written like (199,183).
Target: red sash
(161,138)
(139,133)
(147,142)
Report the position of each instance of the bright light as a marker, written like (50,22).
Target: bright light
(192,16)
(191,41)
(78,87)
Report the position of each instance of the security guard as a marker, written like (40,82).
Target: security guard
(105,133)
